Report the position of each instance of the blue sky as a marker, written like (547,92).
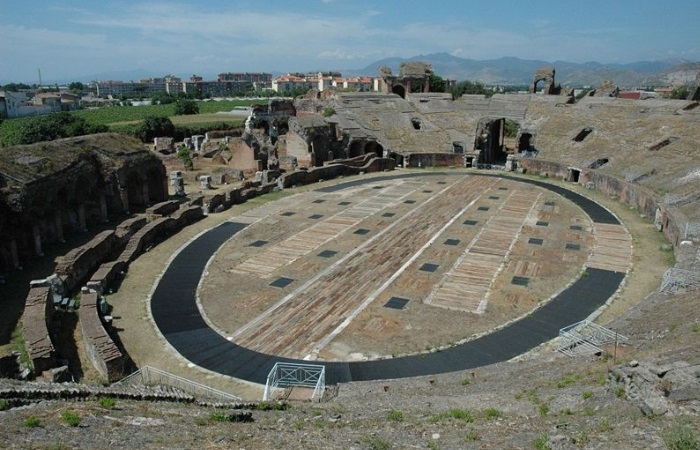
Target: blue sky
(70,39)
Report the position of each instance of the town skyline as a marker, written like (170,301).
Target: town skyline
(79,38)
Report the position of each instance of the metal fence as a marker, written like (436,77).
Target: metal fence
(678,281)
(284,375)
(150,376)
(587,337)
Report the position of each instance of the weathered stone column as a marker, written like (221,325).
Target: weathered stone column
(81,217)
(14,255)
(36,231)
(124,194)
(103,209)
(59,226)
(144,190)
(165,189)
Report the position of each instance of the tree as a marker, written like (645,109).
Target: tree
(680,93)
(154,126)
(185,107)
(54,126)
(15,87)
(437,84)
(470,88)
(76,87)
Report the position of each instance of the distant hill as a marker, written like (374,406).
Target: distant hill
(516,71)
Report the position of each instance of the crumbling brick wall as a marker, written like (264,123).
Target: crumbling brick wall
(77,264)
(99,346)
(35,329)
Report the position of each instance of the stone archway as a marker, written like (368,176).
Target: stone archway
(134,192)
(399,90)
(157,190)
(374,147)
(357,148)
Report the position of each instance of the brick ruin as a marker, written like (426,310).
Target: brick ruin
(56,188)
(52,189)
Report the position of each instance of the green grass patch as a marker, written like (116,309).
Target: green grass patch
(4,405)
(681,437)
(541,442)
(586,394)
(544,409)
(108,402)
(71,418)
(32,422)
(457,414)
(395,416)
(492,413)
(472,435)
(376,443)
(465,382)
(566,381)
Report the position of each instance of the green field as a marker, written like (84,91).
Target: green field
(124,119)
(108,115)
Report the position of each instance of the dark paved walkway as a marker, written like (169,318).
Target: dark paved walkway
(175,312)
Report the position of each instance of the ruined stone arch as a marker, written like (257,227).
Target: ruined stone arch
(545,75)
(489,141)
(374,147)
(157,190)
(357,148)
(399,90)
(525,142)
(134,191)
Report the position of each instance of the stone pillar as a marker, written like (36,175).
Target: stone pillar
(144,191)
(36,232)
(104,217)
(165,189)
(124,194)
(81,217)
(14,255)
(59,226)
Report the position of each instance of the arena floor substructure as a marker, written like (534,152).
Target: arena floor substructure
(393,276)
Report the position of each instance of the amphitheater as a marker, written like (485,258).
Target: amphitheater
(426,270)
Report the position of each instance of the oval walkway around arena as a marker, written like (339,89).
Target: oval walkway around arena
(176,314)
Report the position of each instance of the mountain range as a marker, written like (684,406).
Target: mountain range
(516,71)
(502,71)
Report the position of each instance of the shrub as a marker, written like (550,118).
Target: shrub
(328,112)
(71,418)
(541,442)
(472,435)
(680,437)
(565,381)
(586,395)
(4,405)
(493,413)
(32,422)
(396,416)
(544,409)
(619,392)
(108,402)
(465,382)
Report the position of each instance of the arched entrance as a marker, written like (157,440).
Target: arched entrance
(399,90)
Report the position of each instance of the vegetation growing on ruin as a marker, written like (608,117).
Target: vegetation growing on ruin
(120,119)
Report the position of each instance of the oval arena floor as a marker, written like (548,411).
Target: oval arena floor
(393,276)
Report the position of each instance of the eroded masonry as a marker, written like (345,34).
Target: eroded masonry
(642,152)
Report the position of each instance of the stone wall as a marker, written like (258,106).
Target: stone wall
(434,159)
(164,208)
(77,264)
(670,220)
(154,232)
(35,330)
(316,174)
(99,346)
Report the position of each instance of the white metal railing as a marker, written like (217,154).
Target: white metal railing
(676,281)
(150,376)
(587,337)
(285,375)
